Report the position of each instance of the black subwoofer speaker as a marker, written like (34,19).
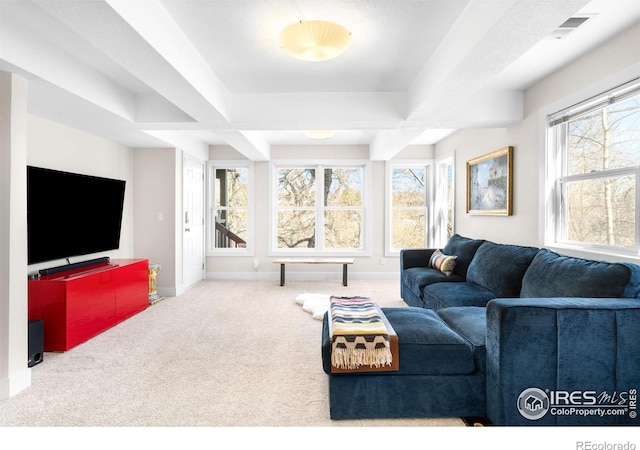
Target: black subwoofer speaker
(36,342)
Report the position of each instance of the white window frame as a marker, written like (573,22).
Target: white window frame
(555,152)
(429,204)
(319,251)
(440,208)
(212,166)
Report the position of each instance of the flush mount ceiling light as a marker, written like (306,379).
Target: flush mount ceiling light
(315,40)
(319,134)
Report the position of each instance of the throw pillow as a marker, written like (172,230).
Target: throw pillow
(443,263)
(433,257)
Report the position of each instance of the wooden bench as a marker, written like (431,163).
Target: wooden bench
(344,261)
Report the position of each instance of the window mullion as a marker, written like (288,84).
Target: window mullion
(599,174)
(637,194)
(561,212)
(320,208)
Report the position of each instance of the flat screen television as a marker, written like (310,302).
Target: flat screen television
(70,214)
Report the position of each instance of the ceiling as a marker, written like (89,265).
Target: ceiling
(195,73)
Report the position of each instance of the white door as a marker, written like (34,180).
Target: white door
(193,222)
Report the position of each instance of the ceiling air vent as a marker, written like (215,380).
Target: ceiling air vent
(567,27)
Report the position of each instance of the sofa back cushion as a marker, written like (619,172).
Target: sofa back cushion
(463,249)
(633,288)
(553,275)
(501,267)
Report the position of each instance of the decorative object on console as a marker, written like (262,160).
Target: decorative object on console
(154,269)
(490,184)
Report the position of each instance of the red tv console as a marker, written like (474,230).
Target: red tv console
(77,305)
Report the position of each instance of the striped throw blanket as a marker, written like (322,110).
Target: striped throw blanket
(358,334)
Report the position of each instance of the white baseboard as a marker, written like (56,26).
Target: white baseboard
(16,383)
(301,276)
(174,291)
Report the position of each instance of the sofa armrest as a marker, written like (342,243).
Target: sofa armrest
(568,345)
(415,257)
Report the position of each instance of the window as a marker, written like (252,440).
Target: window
(444,205)
(408,205)
(231,199)
(594,151)
(319,208)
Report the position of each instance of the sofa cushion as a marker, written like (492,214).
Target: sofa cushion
(444,295)
(470,322)
(427,345)
(553,275)
(464,249)
(500,267)
(632,290)
(417,278)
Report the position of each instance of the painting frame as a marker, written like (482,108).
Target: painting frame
(490,184)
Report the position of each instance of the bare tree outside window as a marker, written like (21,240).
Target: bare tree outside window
(601,168)
(409,210)
(343,216)
(339,215)
(296,212)
(603,156)
(230,206)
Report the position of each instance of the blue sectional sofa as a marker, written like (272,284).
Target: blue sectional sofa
(516,334)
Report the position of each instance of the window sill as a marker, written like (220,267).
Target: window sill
(231,252)
(594,253)
(317,254)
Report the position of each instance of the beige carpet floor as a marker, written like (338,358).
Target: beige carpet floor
(223,354)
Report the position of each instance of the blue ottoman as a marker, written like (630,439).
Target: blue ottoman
(439,373)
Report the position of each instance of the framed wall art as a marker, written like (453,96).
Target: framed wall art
(490,183)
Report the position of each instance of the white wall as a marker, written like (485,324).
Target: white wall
(157,192)
(521,227)
(616,61)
